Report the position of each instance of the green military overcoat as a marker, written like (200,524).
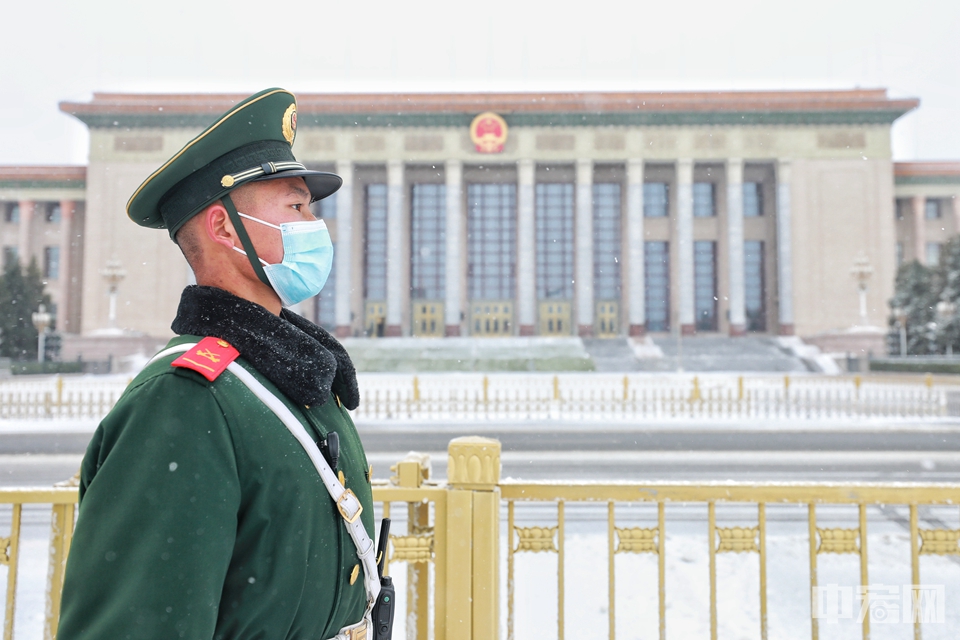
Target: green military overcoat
(202,517)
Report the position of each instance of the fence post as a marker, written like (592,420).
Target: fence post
(473,538)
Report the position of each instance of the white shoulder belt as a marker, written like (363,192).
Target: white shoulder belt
(347,503)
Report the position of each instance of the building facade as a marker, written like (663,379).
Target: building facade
(590,214)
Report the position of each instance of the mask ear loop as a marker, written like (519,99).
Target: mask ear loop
(245,240)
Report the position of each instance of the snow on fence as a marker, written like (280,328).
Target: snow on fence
(547,396)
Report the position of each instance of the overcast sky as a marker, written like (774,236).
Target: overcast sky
(59,50)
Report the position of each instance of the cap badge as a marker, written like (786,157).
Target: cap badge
(290,123)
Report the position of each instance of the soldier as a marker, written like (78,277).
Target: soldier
(231,504)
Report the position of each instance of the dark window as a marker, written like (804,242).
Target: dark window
(899,254)
(554,211)
(656,276)
(10,255)
(753,285)
(427,241)
(375,285)
(933,254)
(51,212)
(325,209)
(51,263)
(900,207)
(491,241)
(752,200)
(703,205)
(11,212)
(655,200)
(705,284)
(931,209)
(606,241)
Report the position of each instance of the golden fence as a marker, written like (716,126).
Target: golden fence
(565,396)
(453,539)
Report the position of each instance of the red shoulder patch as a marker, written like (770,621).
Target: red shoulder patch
(210,357)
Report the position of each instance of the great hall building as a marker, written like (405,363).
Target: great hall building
(592,214)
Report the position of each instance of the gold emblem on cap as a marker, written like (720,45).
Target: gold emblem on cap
(227,181)
(289,126)
(354,573)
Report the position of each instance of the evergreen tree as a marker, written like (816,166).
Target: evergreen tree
(949,330)
(21,294)
(917,293)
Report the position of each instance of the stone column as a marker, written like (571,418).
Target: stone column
(24,235)
(637,312)
(455,249)
(919,228)
(526,249)
(784,248)
(583,251)
(67,208)
(396,238)
(685,244)
(344,255)
(738,312)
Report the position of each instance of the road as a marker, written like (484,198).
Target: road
(911,453)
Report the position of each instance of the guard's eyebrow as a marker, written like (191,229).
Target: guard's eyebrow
(300,191)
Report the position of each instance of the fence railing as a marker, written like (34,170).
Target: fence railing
(573,396)
(452,544)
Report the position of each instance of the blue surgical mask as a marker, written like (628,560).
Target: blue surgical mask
(307,260)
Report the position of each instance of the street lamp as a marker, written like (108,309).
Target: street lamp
(41,320)
(861,272)
(113,274)
(901,315)
(945,312)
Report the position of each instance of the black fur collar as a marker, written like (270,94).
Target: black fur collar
(301,359)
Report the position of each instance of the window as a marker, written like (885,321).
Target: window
(10,255)
(752,200)
(491,241)
(427,241)
(375,285)
(900,205)
(326,300)
(931,209)
(705,284)
(656,284)
(703,204)
(554,212)
(606,241)
(51,263)
(655,200)
(11,212)
(51,212)
(753,285)
(899,254)
(933,254)
(326,209)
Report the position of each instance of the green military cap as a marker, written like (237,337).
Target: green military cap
(250,142)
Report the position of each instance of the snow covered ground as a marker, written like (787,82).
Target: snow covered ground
(687,576)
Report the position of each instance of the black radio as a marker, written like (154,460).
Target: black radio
(382,613)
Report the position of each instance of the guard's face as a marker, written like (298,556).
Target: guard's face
(274,201)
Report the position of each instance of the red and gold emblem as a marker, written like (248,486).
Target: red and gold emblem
(488,132)
(289,125)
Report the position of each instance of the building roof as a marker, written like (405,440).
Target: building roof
(944,172)
(31,177)
(855,106)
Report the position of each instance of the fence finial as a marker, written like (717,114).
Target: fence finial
(473,463)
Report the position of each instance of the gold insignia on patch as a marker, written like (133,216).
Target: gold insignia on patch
(340,477)
(354,573)
(289,126)
(226,181)
(223,343)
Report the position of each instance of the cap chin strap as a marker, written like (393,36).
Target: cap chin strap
(245,240)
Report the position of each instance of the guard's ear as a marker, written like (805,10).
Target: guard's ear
(218,227)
